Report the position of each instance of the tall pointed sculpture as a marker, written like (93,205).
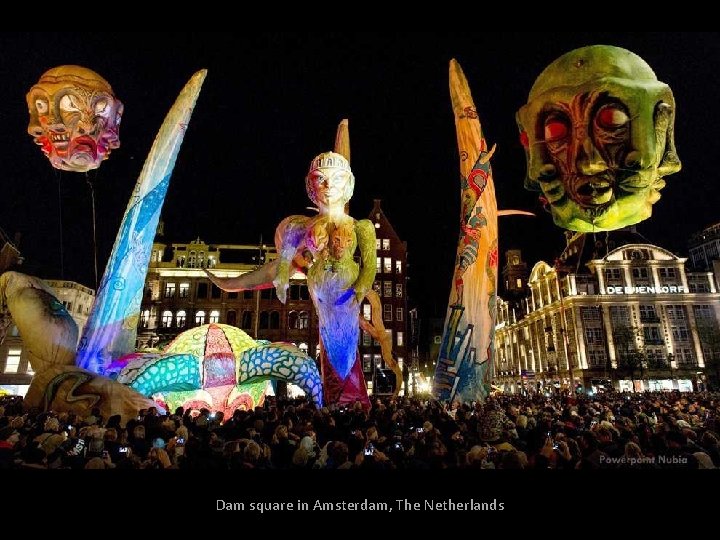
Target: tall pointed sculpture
(112,326)
(467,349)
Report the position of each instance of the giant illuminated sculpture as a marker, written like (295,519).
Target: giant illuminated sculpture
(467,346)
(598,134)
(74,118)
(323,246)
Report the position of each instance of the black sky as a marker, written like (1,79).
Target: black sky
(271,102)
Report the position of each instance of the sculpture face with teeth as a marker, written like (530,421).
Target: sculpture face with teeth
(74,118)
(598,135)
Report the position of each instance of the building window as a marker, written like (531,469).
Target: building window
(400,339)
(684,356)
(377,287)
(293,320)
(154,257)
(191,260)
(590,313)
(304,320)
(377,244)
(640,273)
(386,244)
(274,320)
(200,317)
(596,357)
(180,318)
(215,316)
(145,318)
(367,312)
(518,283)
(680,333)
(231,317)
(294,292)
(247,295)
(304,292)
(378,265)
(169,290)
(703,311)
(387,265)
(387,312)
(366,339)
(167,318)
(303,347)
(367,362)
(387,289)
(398,290)
(247,320)
(620,316)
(593,336)
(212,261)
(648,314)
(613,275)
(667,273)
(202,289)
(398,266)
(232,295)
(215,292)
(264,320)
(266,294)
(12,360)
(651,334)
(184,290)
(675,312)
(399,314)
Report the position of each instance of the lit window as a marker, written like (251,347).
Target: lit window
(145,318)
(304,320)
(398,290)
(386,244)
(180,318)
(200,318)
(387,312)
(367,312)
(399,314)
(214,316)
(184,290)
(378,265)
(12,361)
(398,267)
(387,289)
(377,244)
(167,319)
(387,265)
(400,339)
(169,290)
(518,283)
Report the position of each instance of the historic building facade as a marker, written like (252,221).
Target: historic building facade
(634,318)
(391,286)
(178,296)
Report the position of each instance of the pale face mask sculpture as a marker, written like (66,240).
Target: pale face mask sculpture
(598,135)
(74,118)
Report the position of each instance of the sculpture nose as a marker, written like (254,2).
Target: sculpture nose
(589,161)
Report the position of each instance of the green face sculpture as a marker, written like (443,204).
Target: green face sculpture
(598,134)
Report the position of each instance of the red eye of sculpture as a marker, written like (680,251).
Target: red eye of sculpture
(555,129)
(612,117)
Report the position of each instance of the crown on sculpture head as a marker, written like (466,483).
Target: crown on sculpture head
(329,160)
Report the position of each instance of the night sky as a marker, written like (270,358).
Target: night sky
(271,102)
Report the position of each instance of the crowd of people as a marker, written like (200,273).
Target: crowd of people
(609,431)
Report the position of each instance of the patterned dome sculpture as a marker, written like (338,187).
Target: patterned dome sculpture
(221,368)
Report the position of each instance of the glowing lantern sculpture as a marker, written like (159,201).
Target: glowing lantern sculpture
(74,118)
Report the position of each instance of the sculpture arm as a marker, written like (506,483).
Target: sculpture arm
(289,240)
(261,278)
(365,231)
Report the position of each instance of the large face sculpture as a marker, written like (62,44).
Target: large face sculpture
(598,134)
(74,118)
(330,182)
